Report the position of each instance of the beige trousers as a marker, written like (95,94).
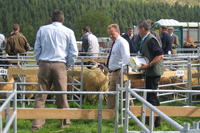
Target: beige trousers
(51,73)
(114,81)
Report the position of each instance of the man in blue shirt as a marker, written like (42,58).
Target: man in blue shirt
(55,51)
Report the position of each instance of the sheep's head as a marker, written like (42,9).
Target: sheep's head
(103,68)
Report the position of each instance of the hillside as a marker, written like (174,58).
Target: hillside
(98,14)
(180,2)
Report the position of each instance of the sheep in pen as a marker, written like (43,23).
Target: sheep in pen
(93,80)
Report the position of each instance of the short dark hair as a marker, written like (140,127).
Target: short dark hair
(86,28)
(57,16)
(149,22)
(144,24)
(15,27)
(163,27)
(130,28)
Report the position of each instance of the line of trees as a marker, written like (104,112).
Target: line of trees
(98,14)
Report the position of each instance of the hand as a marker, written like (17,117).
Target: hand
(143,67)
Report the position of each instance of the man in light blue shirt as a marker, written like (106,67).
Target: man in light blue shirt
(55,51)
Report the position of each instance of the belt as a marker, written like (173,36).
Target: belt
(50,61)
(114,70)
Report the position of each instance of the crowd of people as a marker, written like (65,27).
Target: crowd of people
(55,50)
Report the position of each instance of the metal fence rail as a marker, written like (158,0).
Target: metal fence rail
(13,118)
(177,126)
(14,94)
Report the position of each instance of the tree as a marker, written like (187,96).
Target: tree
(98,22)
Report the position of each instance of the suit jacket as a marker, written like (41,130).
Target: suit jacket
(174,43)
(131,42)
(166,43)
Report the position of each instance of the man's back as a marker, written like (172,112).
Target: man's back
(16,43)
(93,44)
(55,42)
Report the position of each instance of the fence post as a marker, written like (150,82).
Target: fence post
(127,107)
(1,126)
(122,97)
(117,109)
(189,77)
(15,108)
(81,96)
(151,121)
(100,114)
(8,111)
(144,108)
(122,107)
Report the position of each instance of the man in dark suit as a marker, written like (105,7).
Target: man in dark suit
(166,40)
(129,36)
(174,40)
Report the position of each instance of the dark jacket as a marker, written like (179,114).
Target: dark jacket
(138,39)
(166,43)
(131,42)
(16,43)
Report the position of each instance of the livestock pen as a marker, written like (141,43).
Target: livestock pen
(82,58)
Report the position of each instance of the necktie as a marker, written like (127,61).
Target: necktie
(110,53)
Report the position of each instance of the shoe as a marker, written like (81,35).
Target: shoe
(158,121)
(64,123)
(64,126)
(34,129)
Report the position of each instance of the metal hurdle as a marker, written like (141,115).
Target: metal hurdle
(13,118)
(128,113)
(76,85)
(23,60)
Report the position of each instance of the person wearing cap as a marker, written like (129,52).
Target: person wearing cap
(174,40)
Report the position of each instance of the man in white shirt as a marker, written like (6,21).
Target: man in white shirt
(55,51)
(119,51)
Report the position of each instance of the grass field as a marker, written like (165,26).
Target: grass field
(91,126)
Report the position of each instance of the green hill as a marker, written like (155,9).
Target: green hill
(98,14)
(173,2)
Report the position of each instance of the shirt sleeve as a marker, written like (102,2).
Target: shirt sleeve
(37,47)
(169,43)
(8,48)
(155,48)
(72,51)
(125,53)
(27,46)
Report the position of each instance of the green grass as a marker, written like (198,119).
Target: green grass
(91,126)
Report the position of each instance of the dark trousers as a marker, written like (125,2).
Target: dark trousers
(152,83)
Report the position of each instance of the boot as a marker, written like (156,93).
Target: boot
(147,120)
(158,121)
